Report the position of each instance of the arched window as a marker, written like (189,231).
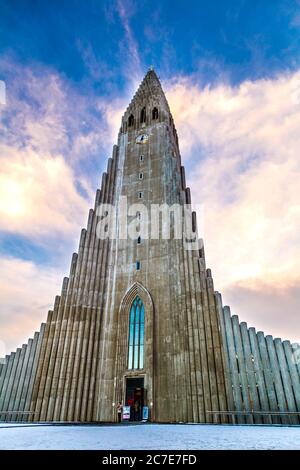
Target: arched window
(154,113)
(143,115)
(130,120)
(136,335)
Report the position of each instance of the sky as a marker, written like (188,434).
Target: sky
(231,73)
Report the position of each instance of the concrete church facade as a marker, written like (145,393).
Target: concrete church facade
(138,319)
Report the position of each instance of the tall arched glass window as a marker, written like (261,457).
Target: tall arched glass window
(136,335)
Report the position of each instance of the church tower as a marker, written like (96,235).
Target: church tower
(138,320)
(179,367)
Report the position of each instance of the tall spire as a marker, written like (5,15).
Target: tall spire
(149,89)
(149,96)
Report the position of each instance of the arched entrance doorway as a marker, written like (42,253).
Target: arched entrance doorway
(134,353)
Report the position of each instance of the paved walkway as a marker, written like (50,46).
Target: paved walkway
(149,436)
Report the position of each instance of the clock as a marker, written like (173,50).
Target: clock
(142,139)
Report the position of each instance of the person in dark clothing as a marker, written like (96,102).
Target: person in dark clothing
(119,411)
(136,411)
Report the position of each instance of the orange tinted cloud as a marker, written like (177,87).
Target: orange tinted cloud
(38,195)
(27,292)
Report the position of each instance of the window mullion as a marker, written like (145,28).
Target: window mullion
(139,330)
(133,339)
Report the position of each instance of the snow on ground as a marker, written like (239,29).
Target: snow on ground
(147,436)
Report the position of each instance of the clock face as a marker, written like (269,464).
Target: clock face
(142,139)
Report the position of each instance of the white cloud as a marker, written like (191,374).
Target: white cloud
(38,196)
(132,67)
(50,134)
(273,309)
(27,292)
(248,178)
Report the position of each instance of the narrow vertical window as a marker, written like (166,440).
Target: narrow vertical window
(141,158)
(138,265)
(140,195)
(136,335)
(141,176)
(139,240)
